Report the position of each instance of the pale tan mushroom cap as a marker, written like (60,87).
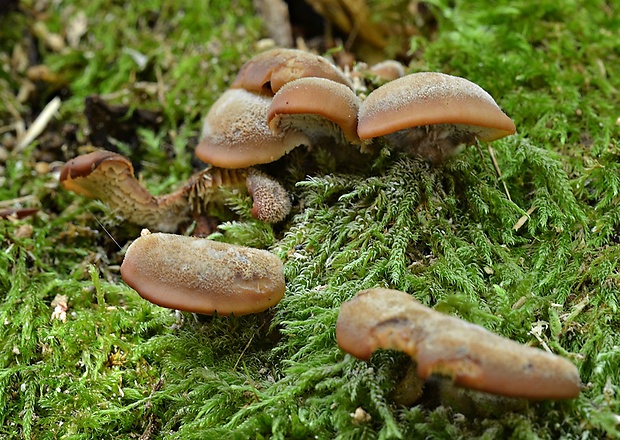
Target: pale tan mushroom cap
(235,133)
(428,98)
(471,355)
(268,71)
(203,276)
(297,101)
(388,70)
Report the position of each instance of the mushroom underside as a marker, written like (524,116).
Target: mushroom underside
(109,177)
(435,143)
(316,128)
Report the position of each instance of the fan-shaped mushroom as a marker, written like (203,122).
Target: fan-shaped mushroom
(430,114)
(235,133)
(471,355)
(268,71)
(110,177)
(318,107)
(388,70)
(203,276)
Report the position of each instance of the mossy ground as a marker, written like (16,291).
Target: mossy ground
(120,367)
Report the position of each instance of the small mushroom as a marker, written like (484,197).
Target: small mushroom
(268,71)
(318,107)
(203,276)
(388,70)
(235,133)
(431,114)
(469,354)
(110,177)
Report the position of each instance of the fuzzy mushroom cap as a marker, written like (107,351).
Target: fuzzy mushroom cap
(471,355)
(235,133)
(388,70)
(267,72)
(429,98)
(317,106)
(203,276)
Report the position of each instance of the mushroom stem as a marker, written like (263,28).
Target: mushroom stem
(469,354)
(271,201)
(110,178)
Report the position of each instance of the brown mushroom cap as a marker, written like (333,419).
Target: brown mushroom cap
(429,98)
(471,355)
(203,276)
(317,106)
(267,72)
(235,133)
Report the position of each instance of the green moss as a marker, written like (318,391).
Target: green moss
(119,367)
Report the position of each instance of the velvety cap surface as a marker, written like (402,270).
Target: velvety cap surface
(203,276)
(235,133)
(428,98)
(440,344)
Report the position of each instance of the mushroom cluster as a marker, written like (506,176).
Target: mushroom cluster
(282,99)
(470,355)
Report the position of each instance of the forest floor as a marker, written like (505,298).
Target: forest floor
(520,236)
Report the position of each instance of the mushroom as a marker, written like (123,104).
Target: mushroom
(430,114)
(268,71)
(387,70)
(110,178)
(235,136)
(318,107)
(271,201)
(470,355)
(203,276)
(235,133)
